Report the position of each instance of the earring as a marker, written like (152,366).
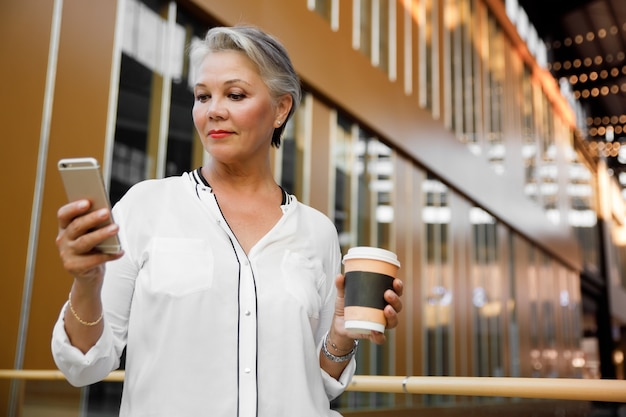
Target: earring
(278,122)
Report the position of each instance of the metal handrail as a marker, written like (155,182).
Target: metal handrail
(609,390)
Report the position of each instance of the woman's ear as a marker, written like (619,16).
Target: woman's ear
(283,106)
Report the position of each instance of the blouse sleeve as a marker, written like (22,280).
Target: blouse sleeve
(333,387)
(82,369)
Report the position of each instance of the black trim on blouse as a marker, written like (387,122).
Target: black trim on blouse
(205,182)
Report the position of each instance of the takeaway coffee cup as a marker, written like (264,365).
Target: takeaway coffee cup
(369,272)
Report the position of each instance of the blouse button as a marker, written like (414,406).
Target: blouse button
(247,313)
(247,370)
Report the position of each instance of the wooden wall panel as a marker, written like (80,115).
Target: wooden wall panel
(25,33)
(77,129)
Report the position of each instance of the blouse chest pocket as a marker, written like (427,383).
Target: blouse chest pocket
(303,278)
(180,266)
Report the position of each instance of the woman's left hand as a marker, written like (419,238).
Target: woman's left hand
(391,311)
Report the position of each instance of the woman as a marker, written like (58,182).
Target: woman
(228,295)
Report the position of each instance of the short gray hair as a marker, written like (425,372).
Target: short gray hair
(267,53)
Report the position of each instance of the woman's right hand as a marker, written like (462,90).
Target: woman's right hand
(77,238)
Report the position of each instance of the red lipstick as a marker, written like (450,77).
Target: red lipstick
(218,134)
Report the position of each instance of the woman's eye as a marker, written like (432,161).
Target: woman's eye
(236,96)
(202,97)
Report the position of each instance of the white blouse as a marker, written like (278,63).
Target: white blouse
(210,330)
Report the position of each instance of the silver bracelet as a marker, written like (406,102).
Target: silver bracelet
(334,358)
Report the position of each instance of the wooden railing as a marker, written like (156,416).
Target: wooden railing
(545,388)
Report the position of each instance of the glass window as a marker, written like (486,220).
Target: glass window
(364,187)
(549,289)
(130,150)
(290,155)
(374,168)
(343,162)
(384,40)
(496,71)
(453,80)
(487,291)
(529,142)
(328,9)
(322,7)
(437,281)
(468,123)
(575,310)
(154,133)
(375,39)
(513,307)
(364,214)
(428,47)
(548,168)
(620,260)
(184,148)
(582,216)
(534,318)
(566,328)
(363,17)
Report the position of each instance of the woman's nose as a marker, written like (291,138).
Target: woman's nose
(216,109)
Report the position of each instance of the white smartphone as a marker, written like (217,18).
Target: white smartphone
(82,179)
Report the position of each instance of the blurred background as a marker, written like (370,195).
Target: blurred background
(478,139)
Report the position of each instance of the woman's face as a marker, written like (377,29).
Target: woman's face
(233,109)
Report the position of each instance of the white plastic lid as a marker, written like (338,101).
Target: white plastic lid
(369,252)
